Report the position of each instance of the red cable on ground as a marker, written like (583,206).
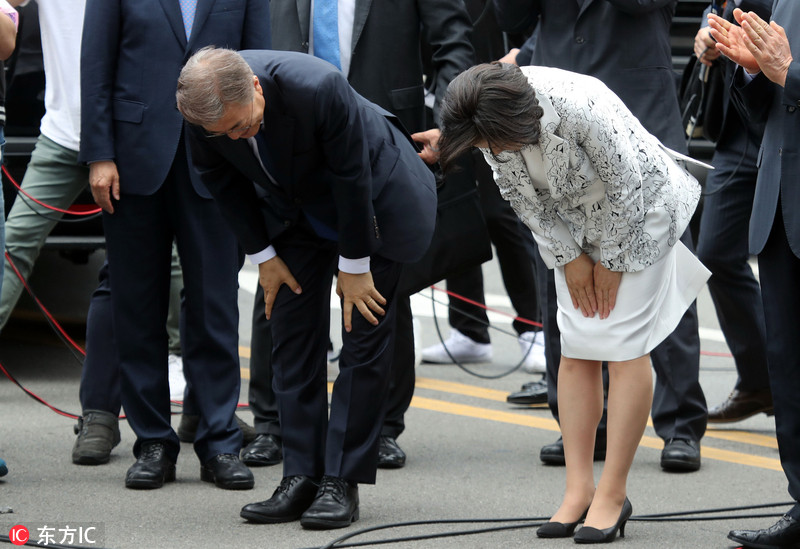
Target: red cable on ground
(74,210)
(36,397)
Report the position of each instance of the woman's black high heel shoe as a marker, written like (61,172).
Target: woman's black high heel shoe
(559,529)
(587,534)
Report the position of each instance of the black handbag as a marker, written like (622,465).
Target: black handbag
(460,237)
(701,99)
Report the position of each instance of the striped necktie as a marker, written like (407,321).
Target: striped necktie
(188,8)
(326,31)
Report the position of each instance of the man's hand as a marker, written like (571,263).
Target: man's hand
(704,47)
(430,142)
(359,290)
(731,41)
(606,284)
(768,44)
(104,182)
(271,275)
(510,57)
(580,281)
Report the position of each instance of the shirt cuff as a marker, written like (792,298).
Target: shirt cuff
(354,266)
(262,256)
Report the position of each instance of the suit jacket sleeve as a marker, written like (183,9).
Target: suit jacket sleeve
(235,195)
(99,47)
(447,26)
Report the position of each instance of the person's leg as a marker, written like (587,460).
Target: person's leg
(261,395)
(580,390)
(54,177)
(630,392)
(174,314)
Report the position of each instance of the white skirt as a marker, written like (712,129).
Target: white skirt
(650,303)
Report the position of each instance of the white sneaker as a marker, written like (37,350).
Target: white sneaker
(177,383)
(462,349)
(532,346)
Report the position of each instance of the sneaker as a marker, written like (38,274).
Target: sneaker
(462,349)
(98,434)
(3,468)
(177,383)
(532,346)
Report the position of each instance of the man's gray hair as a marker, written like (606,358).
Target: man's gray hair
(210,80)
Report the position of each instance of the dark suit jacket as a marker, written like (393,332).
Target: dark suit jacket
(335,157)
(386,65)
(779,157)
(624,43)
(131,55)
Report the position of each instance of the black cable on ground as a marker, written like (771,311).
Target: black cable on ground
(678,516)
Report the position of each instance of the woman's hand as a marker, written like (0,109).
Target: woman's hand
(580,282)
(606,284)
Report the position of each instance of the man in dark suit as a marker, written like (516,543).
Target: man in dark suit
(722,243)
(380,55)
(768,82)
(132,138)
(624,43)
(337,183)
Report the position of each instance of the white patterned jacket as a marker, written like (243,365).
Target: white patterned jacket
(597,181)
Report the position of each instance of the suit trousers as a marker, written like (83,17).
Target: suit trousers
(139,236)
(345,444)
(722,246)
(679,405)
(779,271)
(515,248)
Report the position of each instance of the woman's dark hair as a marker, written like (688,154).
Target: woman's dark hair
(492,102)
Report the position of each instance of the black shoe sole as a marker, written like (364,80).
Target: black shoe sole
(91,460)
(679,466)
(325,524)
(263,519)
(150,484)
(386,464)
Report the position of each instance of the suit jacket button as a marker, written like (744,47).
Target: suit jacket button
(580,40)
(287,223)
(304,45)
(791,108)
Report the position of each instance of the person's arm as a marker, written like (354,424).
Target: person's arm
(447,28)
(515,16)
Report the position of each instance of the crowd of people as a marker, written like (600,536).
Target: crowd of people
(304,155)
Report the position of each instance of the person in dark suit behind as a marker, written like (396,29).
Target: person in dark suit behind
(132,137)
(337,184)
(624,43)
(379,53)
(767,82)
(722,240)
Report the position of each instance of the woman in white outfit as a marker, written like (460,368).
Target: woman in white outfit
(607,204)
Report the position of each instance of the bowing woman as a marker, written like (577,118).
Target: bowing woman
(607,204)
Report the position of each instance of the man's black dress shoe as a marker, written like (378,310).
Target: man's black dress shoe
(784,533)
(741,405)
(227,472)
(587,534)
(289,500)
(680,455)
(533,392)
(553,454)
(390,455)
(264,450)
(336,505)
(152,469)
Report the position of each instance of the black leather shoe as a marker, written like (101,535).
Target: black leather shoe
(227,472)
(680,455)
(741,405)
(289,500)
(336,505)
(390,455)
(264,450)
(187,429)
(152,469)
(784,533)
(553,454)
(533,392)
